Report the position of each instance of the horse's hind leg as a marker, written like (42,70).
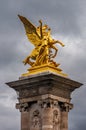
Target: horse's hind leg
(26,60)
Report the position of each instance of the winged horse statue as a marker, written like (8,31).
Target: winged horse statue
(45,49)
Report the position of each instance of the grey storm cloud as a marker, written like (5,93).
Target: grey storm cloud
(8,116)
(60,15)
(67,19)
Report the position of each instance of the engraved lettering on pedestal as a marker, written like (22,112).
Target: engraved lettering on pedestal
(56,120)
(36,120)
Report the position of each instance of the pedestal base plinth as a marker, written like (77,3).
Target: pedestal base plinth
(44,68)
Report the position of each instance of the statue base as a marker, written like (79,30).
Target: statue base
(44,100)
(44,68)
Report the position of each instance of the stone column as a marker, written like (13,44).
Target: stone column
(44,101)
(24,120)
(24,109)
(47,114)
(64,115)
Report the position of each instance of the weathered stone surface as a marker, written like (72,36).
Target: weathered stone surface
(46,83)
(44,101)
(24,120)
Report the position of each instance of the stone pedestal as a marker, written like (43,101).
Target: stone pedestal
(44,101)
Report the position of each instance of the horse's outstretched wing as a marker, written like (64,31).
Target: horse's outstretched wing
(31,32)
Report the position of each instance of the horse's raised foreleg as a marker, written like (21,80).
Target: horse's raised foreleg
(56,50)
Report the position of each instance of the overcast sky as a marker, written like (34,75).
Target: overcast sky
(67,19)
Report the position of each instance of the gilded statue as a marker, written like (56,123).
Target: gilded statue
(45,49)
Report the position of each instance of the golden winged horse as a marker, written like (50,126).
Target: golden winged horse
(41,38)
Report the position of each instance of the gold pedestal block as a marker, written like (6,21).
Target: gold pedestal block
(44,68)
